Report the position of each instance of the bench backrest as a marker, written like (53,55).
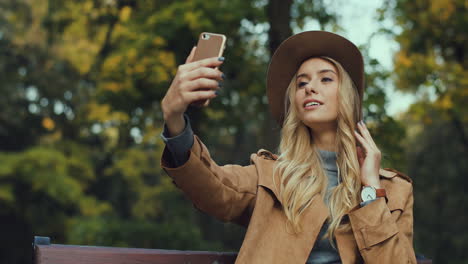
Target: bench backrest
(64,254)
(46,253)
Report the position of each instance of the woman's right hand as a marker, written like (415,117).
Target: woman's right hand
(194,82)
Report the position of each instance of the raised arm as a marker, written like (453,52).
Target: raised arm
(226,192)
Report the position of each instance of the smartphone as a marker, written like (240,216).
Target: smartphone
(209,45)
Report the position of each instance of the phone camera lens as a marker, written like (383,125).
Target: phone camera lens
(206,36)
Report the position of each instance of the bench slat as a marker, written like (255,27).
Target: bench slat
(67,254)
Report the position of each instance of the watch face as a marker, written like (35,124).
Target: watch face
(368,193)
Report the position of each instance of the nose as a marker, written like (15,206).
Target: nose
(310,88)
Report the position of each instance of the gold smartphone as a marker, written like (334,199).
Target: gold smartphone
(209,45)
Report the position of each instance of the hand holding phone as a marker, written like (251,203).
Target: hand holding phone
(196,81)
(209,45)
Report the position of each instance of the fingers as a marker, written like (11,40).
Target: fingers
(190,56)
(196,82)
(200,83)
(362,141)
(365,138)
(365,133)
(201,95)
(203,72)
(201,103)
(209,62)
(361,155)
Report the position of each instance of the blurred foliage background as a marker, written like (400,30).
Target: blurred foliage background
(81,84)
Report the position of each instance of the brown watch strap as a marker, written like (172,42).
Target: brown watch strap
(380,193)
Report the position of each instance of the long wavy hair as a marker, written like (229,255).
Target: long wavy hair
(302,176)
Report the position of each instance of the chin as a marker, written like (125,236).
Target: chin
(314,122)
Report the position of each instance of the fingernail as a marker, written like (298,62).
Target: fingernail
(220,84)
(221,58)
(223,76)
(217,92)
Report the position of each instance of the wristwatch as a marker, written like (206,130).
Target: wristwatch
(370,193)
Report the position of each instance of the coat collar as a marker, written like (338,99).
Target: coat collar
(264,160)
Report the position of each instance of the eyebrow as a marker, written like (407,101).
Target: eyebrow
(319,72)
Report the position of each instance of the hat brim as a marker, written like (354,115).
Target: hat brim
(293,51)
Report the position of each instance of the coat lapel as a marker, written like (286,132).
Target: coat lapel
(312,221)
(312,218)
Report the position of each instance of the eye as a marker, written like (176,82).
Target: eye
(326,79)
(300,84)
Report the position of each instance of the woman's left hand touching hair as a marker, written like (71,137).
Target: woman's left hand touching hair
(369,157)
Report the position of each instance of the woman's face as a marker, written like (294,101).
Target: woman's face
(316,97)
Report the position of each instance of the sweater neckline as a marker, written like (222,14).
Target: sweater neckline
(328,159)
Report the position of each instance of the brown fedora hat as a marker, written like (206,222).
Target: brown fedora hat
(293,51)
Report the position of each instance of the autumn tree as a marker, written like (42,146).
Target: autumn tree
(432,63)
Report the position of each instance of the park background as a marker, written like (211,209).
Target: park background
(80,117)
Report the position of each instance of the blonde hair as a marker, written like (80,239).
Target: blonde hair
(302,176)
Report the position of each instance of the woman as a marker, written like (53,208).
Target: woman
(324,198)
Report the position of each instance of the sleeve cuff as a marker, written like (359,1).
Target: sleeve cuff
(372,224)
(180,145)
(362,204)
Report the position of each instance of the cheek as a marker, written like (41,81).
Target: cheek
(298,101)
(333,99)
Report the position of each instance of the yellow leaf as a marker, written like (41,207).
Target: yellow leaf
(125,13)
(48,123)
(103,113)
(427,120)
(98,112)
(403,59)
(132,54)
(158,41)
(446,102)
(88,6)
(112,63)
(161,74)
(112,86)
(112,136)
(139,68)
(443,9)
(91,207)
(6,193)
(167,59)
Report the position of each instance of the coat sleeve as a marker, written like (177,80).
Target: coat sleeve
(226,192)
(384,232)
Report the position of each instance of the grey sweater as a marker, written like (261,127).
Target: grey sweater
(322,252)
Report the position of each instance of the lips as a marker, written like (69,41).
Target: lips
(312,101)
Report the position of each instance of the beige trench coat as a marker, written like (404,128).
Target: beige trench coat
(381,232)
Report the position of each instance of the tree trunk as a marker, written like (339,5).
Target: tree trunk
(279,17)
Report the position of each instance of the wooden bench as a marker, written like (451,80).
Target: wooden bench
(47,253)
